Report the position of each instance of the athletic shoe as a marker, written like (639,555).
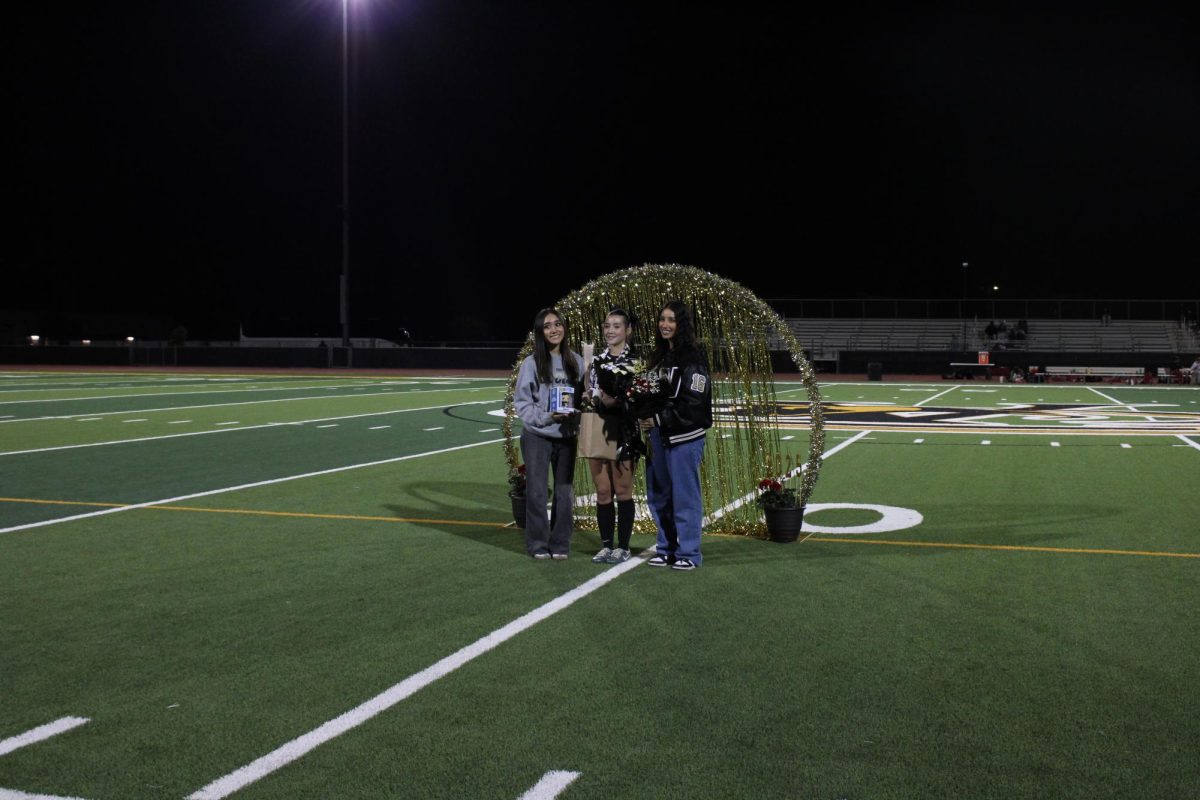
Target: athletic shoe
(683,564)
(617,556)
(559,556)
(541,556)
(602,556)
(661,560)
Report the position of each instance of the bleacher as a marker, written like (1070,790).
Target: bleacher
(826,337)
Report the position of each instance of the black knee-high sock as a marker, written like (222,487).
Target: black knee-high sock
(624,522)
(606,517)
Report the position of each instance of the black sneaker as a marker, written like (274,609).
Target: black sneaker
(661,560)
(683,564)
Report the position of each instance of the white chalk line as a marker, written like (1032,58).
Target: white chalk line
(227,405)
(240,389)
(300,746)
(243,428)
(40,733)
(936,396)
(13,794)
(268,482)
(551,785)
(749,496)
(1188,441)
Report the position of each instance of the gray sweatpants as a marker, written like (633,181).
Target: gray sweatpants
(547,458)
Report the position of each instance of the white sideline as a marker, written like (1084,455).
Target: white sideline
(40,733)
(268,482)
(300,746)
(244,428)
(261,767)
(551,785)
(227,405)
(244,388)
(1187,441)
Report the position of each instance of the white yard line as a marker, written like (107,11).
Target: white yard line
(1187,441)
(936,396)
(40,733)
(239,487)
(227,405)
(1115,401)
(302,745)
(235,430)
(551,785)
(176,394)
(749,496)
(13,794)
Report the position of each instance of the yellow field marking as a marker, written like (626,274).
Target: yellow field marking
(253,512)
(836,540)
(59,502)
(1021,548)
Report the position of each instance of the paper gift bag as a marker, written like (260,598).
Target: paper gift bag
(597,437)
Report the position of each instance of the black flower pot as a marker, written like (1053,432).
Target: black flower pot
(783,524)
(518,505)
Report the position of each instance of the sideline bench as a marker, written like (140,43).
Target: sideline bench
(1099,374)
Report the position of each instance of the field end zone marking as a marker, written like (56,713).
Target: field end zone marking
(550,786)
(239,487)
(244,428)
(302,745)
(1010,547)
(40,733)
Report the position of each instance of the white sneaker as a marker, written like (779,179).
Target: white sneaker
(618,555)
(602,556)
(541,556)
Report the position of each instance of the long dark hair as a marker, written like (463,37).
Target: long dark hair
(541,350)
(685,333)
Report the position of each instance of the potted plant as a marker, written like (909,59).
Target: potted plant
(783,512)
(516,493)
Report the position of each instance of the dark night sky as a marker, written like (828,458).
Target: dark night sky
(182,159)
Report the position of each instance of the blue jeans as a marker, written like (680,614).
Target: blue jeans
(673,494)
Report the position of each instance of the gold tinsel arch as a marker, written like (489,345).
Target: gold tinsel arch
(734,328)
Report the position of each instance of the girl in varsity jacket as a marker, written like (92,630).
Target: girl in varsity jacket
(677,440)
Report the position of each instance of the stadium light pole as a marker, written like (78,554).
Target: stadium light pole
(344,284)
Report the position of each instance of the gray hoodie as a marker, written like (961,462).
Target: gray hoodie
(532,398)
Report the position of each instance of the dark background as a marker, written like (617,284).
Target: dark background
(181,161)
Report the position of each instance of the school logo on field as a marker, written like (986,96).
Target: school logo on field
(1158,418)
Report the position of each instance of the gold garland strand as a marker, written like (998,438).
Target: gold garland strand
(732,328)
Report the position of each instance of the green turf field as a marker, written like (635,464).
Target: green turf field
(296,586)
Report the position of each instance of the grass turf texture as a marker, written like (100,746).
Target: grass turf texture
(199,641)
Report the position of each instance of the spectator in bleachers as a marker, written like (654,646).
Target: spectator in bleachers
(990,330)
